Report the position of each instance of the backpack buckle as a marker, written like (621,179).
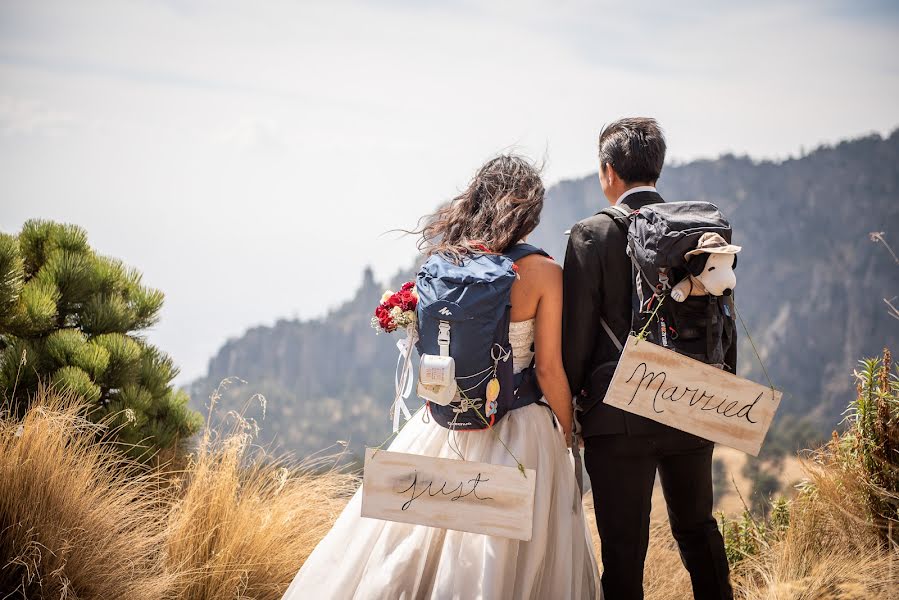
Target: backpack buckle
(443,337)
(663,279)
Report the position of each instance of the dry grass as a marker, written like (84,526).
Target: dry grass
(80,521)
(830,550)
(242,528)
(790,472)
(77,519)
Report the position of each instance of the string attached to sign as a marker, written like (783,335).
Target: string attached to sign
(642,334)
(752,343)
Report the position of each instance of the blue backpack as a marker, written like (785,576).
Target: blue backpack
(464,312)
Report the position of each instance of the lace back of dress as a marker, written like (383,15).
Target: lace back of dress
(521,336)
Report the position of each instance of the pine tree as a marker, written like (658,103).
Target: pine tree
(71,318)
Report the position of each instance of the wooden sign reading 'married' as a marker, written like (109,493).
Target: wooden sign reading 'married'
(450,494)
(689,395)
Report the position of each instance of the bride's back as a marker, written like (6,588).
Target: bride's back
(536,276)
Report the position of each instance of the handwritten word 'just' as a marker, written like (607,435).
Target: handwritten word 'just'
(419,489)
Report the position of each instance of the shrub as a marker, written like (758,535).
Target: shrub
(72,318)
(872,442)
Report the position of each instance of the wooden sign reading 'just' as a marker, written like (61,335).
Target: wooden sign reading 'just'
(450,494)
(689,395)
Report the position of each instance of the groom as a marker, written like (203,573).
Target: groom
(624,451)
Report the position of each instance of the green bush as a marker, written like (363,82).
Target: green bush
(872,441)
(747,536)
(71,318)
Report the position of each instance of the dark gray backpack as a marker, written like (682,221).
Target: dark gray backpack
(658,237)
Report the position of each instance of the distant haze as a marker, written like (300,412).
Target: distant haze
(248,156)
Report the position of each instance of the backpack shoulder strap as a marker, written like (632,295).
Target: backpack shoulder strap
(519,251)
(619,214)
(622,217)
(615,341)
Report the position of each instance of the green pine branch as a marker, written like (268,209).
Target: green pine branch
(72,318)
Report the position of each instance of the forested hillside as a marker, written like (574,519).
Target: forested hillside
(811,285)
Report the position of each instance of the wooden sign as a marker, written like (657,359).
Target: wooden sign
(450,494)
(689,395)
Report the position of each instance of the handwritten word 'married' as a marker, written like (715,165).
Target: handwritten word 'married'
(675,393)
(684,393)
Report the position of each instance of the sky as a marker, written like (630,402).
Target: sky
(249,157)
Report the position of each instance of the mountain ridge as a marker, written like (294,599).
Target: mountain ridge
(810,287)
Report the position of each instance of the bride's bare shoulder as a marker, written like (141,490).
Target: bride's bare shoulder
(540,274)
(540,267)
(539,278)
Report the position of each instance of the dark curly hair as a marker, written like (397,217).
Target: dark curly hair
(500,206)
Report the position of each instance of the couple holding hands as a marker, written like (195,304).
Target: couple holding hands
(563,321)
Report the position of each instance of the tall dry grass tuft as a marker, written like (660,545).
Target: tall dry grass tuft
(243,523)
(841,541)
(77,518)
(832,547)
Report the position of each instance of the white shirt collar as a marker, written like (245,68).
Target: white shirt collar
(634,190)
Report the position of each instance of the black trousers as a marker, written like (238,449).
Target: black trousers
(622,470)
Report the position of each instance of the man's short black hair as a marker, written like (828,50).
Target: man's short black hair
(635,148)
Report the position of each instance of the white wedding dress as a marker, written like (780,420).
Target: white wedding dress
(364,558)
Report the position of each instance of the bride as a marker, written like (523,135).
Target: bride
(362,558)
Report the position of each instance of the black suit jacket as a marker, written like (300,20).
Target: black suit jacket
(597,283)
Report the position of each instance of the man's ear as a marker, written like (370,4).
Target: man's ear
(610,175)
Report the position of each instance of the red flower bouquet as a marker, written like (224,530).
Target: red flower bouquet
(396,309)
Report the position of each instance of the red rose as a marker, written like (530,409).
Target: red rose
(407,286)
(405,300)
(382,314)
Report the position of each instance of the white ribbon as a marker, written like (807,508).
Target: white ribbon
(402,378)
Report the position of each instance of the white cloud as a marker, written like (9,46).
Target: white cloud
(31,117)
(252,134)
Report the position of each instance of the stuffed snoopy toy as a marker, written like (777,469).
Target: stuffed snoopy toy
(711,269)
